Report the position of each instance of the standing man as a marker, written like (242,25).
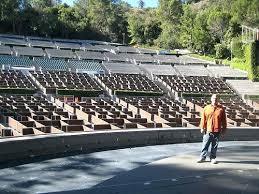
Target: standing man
(213,123)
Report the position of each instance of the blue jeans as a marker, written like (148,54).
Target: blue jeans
(213,139)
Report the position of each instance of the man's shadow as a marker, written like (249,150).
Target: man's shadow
(237,162)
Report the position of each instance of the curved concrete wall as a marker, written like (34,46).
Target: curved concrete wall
(31,146)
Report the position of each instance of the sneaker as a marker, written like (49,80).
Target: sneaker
(213,161)
(201,160)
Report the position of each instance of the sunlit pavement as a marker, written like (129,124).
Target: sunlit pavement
(146,170)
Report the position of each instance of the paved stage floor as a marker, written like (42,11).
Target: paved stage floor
(158,169)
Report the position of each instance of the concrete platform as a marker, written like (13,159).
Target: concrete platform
(146,170)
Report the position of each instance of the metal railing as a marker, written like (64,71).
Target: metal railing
(249,34)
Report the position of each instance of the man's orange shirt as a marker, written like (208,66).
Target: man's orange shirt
(213,119)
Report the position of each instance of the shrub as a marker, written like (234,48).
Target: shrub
(222,51)
(237,48)
(251,61)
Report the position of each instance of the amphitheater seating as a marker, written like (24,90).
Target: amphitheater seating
(115,114)
(42,43)
(29,115)
(159,69)
(107,47)
(28,51)
(167,59)
(65,80)
(68,45)
(94,48)
(54,53)
(239,114)
(244,87)
(51,64)
(146,51)
(15,79)
(91,55)
(129,82)
(12,36)
(89,66)
(116,57)
(126,49)
(14,40)
(186,77)
(127,68)
(192,70)
(174,112)
(179,60)
(140,58)
(226,71)
(5,50)
(16,61)
(185,59)
(197,84)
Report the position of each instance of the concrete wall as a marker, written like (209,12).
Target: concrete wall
(31,146)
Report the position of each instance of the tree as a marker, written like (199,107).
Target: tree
(202,41)
(9,14)
(143,28)
(169,13)
(69,20)
(187,26)
(218,23)
(152,28)
(136,27)
(108,18)
(41,4)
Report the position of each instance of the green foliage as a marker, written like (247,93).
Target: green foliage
(169,37)
(187,25)
(169,13)
(251,54)
(143,27)
(201,36)
(250,62)
(222,51)
(237,48)
(40,4)
(194,24)
(136,28)
(245,12)
(218,22)
(101,15)
(239,64)
(204,57)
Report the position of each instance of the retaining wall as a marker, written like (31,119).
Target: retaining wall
(30,146)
